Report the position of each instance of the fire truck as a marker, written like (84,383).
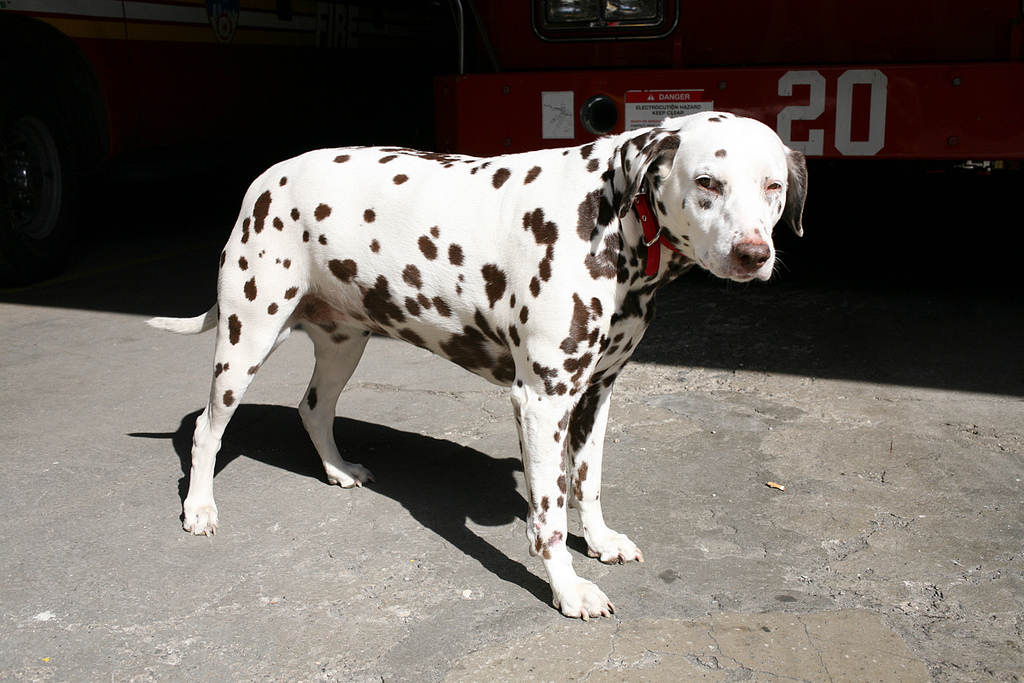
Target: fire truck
(87,84)
(937,80)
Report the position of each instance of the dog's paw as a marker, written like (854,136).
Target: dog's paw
(348,475)
(201,520)
(613,548)
(582,600)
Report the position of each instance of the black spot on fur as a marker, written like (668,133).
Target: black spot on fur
(605,212)
(544,232)
(638,303)
(343,270)
(577,366)
(548,375)
(412,276)
(605,263)
(494,283)
(499,177)
(234,329)
(485,326)
(578,325)
(260,211)
(250,289)
(544,267)
(455,255)
(577,484)
(428,248)
(442,307)
(587,213)
(411,337)
(379,306)
(583,416)
(468,349)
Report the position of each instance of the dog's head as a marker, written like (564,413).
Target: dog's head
(719,184)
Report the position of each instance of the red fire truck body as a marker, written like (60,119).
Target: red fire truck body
(914,80)
(90,82)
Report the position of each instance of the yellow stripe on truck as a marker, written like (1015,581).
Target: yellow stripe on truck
(87,28)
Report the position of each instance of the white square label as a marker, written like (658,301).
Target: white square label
(558,116)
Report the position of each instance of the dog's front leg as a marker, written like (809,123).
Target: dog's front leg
(586,448)
(543,418)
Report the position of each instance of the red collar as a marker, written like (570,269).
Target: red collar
(653,239)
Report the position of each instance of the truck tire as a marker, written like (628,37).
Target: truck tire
(40,193)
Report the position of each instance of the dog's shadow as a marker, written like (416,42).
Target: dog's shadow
(440,483)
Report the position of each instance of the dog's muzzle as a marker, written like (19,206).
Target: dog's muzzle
(748,258)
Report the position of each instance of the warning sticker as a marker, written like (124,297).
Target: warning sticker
(646,108)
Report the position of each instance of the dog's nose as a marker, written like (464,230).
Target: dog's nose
(751,255)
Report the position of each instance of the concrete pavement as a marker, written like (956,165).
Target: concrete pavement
(893,419)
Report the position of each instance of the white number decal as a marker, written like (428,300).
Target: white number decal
(844,112)
(815,143)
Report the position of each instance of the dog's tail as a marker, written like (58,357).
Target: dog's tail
(200,323)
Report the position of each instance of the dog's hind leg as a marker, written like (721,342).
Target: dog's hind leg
(242,346)
(338,350)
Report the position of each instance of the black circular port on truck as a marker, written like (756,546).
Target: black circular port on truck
(599,115)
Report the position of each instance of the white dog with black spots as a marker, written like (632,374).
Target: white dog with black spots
(536,271)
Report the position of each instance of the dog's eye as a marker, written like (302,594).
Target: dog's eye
(707,182)
(774,187)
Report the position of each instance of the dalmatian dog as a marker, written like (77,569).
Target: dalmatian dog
(536,271)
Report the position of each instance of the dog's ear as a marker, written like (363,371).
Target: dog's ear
(796,192)
(640,158)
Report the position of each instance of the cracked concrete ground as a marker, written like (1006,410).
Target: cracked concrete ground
(893,419)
